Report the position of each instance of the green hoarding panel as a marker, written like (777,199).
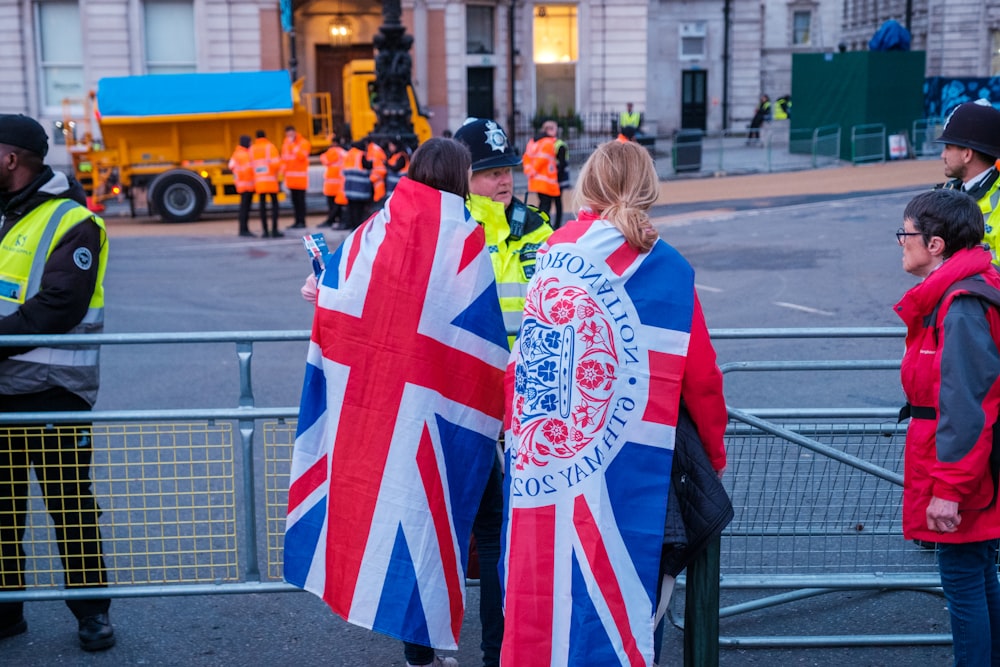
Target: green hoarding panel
(857,88)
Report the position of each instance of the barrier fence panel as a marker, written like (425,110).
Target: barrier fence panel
(925,133)
(816,491)
(868,143)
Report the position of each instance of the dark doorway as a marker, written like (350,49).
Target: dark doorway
(330,61)
(694,108)
(480,86)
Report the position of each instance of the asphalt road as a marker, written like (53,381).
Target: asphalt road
(820,259)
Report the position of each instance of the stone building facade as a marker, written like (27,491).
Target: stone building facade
(683,63)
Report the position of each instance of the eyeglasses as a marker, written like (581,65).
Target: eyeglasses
(901,235)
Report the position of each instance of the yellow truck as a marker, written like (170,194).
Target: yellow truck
(166,139)
(360,95)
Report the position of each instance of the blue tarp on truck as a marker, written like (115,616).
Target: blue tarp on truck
(186,94)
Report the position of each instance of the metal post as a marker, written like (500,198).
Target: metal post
(393,66)
(701,612)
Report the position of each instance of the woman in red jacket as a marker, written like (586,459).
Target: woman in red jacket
(951,377)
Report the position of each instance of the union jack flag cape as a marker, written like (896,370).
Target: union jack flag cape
(594,390)
(400,412)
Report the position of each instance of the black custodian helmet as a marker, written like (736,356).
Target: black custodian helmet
(488,144)
(974,125)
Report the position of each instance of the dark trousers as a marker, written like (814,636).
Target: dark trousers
(298,206)
(357,211)
(335,211)
(486,528)
(274,210)
(246,200)
(545,203)
(61,456)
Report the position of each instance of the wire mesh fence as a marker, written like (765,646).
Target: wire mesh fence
(163,496)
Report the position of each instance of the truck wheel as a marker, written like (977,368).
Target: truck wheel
(178,196)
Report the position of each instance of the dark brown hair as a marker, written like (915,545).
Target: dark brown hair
(442,164)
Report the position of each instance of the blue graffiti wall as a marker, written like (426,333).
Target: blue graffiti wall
(944,93)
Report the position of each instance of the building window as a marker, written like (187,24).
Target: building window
(692,40)
(555,34)
(478,29)
(60,53)
(995,55)
(169,36)
(801,27)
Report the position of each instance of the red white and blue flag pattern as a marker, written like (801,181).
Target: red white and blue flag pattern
(400,412)
(594,390)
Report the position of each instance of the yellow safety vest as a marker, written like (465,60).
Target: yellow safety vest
(989,204)
(513,258)
(23,253)
(626,119)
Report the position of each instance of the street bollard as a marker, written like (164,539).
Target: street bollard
(701,613)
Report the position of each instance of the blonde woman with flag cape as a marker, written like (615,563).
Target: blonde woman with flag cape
(612,339)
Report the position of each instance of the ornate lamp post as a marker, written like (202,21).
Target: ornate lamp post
(393,66)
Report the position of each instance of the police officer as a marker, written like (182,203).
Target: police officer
(971,139)
(53,254)
(514,232)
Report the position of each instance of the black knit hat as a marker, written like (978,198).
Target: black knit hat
(24,132)
(488,144)
(974,125)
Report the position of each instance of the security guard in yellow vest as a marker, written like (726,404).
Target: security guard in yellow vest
(514,230)
(53,254)
(971,139)
(629,118)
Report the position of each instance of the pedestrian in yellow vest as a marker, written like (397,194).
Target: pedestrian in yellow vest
(541,167)
(242,167)
(629,118)
(266,163)
(295,167)
(333,185)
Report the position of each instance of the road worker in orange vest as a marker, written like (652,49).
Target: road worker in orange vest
(375,164)
(242,167)
(266,163)
(357,184)
(542,168)
(397,164)
(333,185)
(295,167)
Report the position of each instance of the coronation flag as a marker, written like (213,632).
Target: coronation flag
(401,408)
(594,389)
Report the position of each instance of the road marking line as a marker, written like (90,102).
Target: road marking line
(705,288)
(804,309)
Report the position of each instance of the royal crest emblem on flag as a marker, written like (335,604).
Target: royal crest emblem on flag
(594,391)
(401,408)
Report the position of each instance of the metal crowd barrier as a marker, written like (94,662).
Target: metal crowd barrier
(868,143)
(816,493)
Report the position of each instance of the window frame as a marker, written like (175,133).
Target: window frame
(45,67)
(168,66)
(484,12)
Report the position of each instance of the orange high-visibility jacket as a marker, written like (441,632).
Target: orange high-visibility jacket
(541,166)
(333,177)
(242,167)
(295,162)
(266,161)
(376,156)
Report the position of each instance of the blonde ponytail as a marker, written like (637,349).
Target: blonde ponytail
(619,182)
